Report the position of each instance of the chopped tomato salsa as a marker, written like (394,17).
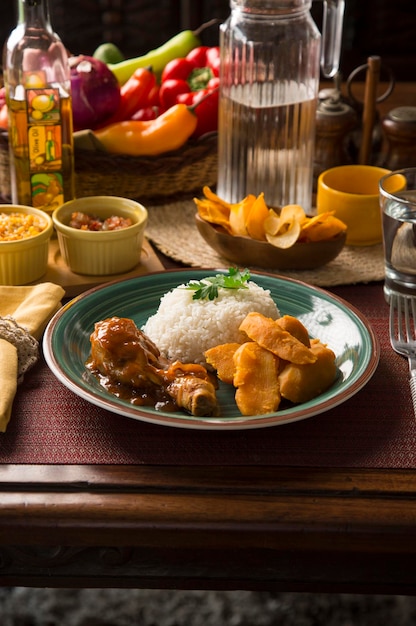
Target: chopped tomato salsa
(84,221)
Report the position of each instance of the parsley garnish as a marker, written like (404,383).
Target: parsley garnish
(207,289)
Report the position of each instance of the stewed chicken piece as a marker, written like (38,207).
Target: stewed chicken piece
(123,354)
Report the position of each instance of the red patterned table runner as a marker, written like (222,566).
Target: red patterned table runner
(376,428)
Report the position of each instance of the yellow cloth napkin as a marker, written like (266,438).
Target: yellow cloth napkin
(31,308)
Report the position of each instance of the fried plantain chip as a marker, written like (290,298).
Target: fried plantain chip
(322,227)
(271,223)
(213,213)
(211,196)
(255,219)
(293,211)
(285,232)
(287,237)
(239,214)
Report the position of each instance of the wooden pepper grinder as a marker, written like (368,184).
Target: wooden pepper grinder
(399,128)
(334,120)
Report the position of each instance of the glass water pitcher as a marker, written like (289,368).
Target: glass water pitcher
(271,54)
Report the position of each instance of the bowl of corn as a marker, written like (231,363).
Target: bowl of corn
(24,243)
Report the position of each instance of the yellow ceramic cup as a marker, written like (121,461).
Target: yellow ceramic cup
(352,191)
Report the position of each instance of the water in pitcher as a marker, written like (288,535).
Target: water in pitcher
(270,60)
(269,145)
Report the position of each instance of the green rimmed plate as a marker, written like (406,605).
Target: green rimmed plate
(66,345)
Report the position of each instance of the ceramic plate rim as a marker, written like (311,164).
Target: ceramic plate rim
(182,420)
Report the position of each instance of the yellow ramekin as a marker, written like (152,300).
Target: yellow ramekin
(352,192)
(25,260)
(101,253)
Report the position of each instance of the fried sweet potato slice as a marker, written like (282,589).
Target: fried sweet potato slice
(256,379)
(268,334)
(221,359)
(295,327)
(300,383)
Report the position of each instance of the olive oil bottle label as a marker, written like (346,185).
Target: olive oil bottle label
(40,137)
(45,146)
(47,189)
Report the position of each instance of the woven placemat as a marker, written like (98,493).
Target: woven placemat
(171,228)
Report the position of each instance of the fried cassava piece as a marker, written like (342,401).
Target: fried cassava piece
(278,361)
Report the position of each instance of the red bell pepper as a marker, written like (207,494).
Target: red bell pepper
(177,69)
(205,105)
(188,79)
(4,113)
(153,96)
(134,95)
(2,96)
(205,56)
(4,117)
(146,114)
(170,89)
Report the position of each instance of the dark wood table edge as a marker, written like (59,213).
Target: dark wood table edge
(258,528)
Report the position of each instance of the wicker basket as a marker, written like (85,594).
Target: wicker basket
(171,175)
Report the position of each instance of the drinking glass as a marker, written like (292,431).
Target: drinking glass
(398,212)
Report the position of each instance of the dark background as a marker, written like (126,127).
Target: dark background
(372,27)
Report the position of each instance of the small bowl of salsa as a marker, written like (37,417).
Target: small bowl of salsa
(100,235)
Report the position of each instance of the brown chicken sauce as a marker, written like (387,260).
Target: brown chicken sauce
(156,397)
(129,365)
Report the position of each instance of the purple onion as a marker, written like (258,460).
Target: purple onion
(95,92)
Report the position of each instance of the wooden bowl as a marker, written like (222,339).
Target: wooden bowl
(250,252)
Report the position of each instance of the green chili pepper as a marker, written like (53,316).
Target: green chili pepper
(177,46)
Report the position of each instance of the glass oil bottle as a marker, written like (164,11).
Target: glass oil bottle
(38,92)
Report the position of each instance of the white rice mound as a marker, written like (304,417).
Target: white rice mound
(183,328)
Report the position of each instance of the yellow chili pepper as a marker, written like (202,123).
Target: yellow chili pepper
(167,132)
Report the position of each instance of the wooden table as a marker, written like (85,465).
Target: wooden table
(170,525)
(196,528)
(253,526)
